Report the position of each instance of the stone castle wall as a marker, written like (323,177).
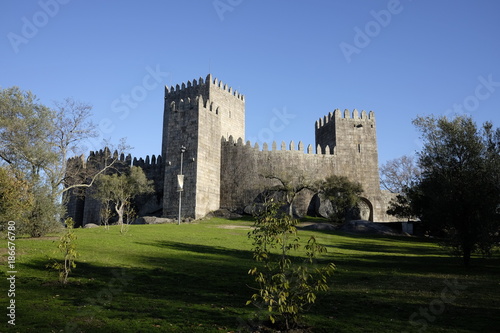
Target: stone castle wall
(221,171)
(244,168)
(85,209)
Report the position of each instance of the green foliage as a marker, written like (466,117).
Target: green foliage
(25,132)
(343,193)
(16,199)
(36,142)
(68,247)
(285,288)
(401,205)
(43,215)
(458,193)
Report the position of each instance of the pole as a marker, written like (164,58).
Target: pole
(183,149)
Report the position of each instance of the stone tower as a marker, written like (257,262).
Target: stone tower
(353,139)
(197,115)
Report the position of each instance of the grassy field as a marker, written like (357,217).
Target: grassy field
(193,278)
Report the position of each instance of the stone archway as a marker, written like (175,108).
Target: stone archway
(365,209)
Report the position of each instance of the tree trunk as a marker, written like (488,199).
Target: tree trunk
(119,207)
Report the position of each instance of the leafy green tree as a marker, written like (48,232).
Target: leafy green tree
(458,193)
(119,189)
(286,288)
(16,199)
(343,193)
(37,141)
(43,217)
(25,132)
(401,206)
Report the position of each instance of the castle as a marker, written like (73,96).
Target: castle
(221,170)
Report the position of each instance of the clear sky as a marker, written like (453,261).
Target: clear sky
(293,60)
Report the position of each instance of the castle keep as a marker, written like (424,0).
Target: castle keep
(221,170)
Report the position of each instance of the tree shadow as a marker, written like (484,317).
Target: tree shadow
(195,286)
(191,285)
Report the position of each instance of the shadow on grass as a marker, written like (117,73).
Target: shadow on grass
(199,288)
(194,287)
(201,249)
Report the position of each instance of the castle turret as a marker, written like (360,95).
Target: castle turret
(352,138)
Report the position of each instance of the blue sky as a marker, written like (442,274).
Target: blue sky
(300,58)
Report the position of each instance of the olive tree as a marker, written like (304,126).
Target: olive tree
(458,193)
(120,188)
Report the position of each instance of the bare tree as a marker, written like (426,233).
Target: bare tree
(72,125)
(289,184)
(399,173)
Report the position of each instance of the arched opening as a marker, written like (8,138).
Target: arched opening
(365,209)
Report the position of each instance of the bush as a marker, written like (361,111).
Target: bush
(68,248)
(285,288)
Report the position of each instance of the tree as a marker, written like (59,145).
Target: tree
(37,141)
(343,194)
(68,247)
(399,173)
(119,189)
(25,132)
(290,184)
(72,125)
(458,193)
(285,288)
(401,205)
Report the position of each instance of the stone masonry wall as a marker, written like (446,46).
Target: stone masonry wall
(345,146)
(85,209)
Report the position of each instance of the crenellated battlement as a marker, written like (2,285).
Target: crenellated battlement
(122,159)
(153,163)
(224,87)
(105,154)
(347,115)
(78,161)
(291,147)
(199,87)
(196,102)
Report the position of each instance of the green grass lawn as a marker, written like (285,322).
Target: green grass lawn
(193,278)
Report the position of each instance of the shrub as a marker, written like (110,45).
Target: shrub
(285,288)
(68,248)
